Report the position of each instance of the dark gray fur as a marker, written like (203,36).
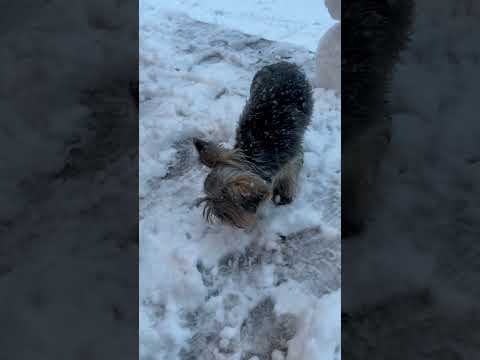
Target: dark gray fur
(272,125)
(268,153)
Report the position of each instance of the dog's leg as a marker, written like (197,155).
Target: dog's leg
(285,182)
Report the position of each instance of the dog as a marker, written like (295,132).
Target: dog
(267,156)
(374,34)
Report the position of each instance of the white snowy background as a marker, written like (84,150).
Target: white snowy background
(213,292)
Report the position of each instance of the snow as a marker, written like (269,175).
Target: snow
(299,22)
(320,329)
(210,291)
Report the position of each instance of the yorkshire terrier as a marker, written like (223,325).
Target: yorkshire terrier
(267,156)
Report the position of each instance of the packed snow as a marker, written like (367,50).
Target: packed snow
(299,22)
(211,291)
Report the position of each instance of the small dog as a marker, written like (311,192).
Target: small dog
(373,34)
(268,154)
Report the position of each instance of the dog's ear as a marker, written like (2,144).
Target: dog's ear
(208,152)
(211,154)
(251,191)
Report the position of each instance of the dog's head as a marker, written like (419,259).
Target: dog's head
(233,190)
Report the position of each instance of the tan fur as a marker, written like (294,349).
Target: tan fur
(214,155)
(269,134)
(245,185)
(233,189)
(285,182)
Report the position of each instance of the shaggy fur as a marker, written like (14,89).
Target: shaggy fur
(268,153)
(374,33)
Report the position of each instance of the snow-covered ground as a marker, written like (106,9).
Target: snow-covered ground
(300,22)
(213,292)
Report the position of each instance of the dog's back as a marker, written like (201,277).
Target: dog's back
(271,128)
